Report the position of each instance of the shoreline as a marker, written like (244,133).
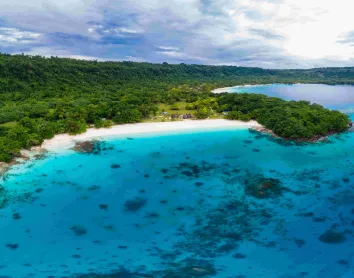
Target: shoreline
(312,140)
(67,141)
(64,142)
(225,89)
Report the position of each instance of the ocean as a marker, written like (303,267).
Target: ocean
(339,97)
(210,203)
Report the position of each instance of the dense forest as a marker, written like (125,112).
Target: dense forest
(288,119)
(40,97)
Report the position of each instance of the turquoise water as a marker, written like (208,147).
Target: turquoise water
(183,205)
(222,203)
(340,97)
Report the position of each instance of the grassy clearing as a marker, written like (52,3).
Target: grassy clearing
(9,124)
(167,108)
(160,117)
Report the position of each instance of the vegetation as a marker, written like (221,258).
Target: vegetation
(288,119)
(40,97)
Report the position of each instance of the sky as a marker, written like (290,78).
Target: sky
(257,33)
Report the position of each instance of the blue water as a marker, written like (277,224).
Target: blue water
(339,97)
(221,203)
(194,209)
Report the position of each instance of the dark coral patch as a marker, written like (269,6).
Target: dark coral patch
(345,197)
(239,256)
(110,228)
(93,188)
(198,183)
(12,246)
(305,214)
(78,230)
(345,179)
(152,215)
(332,237)
(103,206)
(91,147)
(299,242)
(263,188)
(39,190)
(76,256)
(343,262)
(319,219)
(16,216)
(84,147)
(134,205)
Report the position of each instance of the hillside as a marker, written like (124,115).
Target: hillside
(18,72)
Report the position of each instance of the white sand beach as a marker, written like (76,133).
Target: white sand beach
(226,89)
(221,90)
(67,141)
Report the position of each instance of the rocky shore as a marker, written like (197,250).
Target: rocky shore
(314,139)
(35,153)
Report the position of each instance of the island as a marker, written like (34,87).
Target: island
(41,97)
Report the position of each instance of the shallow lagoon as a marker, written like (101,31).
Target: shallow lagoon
(183,205)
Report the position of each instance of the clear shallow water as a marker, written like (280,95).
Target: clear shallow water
(183,205)
(339,97)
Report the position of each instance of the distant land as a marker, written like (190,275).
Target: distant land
(41,97)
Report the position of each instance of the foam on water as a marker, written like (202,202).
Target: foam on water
(208,204)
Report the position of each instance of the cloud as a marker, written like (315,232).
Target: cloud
(168,48)
(13,35)
(347,38)
(174,54)
(265,33)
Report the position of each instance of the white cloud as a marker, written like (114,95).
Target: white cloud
(128,30)
(268,33)
(174,54)
(169,48)
(310,28)
(14,35)
(44,16)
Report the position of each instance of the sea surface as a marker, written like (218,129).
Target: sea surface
(339,97)
(208,203)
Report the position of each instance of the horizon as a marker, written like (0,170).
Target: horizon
(173,64)
(268,34)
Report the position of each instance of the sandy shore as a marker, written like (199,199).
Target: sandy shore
(67,141)
(222,90)
(226,89)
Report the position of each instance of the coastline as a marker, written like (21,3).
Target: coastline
(225,89)
(66,141)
